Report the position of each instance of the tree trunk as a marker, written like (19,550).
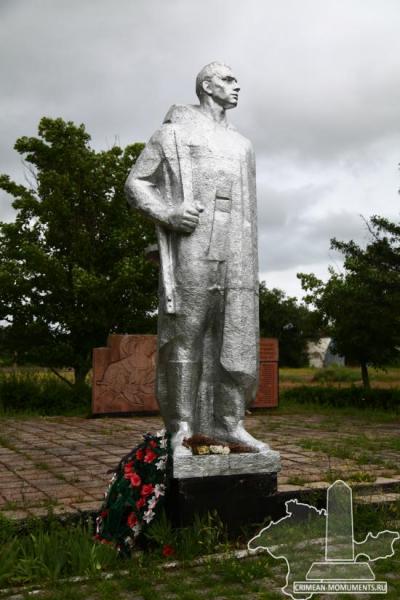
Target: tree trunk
(80,374)
(365,375)
(64,379)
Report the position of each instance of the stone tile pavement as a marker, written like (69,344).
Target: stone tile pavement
(62,462)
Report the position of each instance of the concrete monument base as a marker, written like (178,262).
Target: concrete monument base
(239,487)
(239,500)
(211,465)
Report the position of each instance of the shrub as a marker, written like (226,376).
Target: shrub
(41,393)
(335,374)
(357,397)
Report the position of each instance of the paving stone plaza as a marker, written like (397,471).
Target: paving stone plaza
(62,463)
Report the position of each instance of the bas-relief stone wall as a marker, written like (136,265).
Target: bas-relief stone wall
(124,375)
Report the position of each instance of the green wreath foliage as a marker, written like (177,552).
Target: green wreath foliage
(136,492)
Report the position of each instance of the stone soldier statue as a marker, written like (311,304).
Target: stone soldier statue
(196,180)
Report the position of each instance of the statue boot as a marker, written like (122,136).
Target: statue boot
(229,418)
(183,380)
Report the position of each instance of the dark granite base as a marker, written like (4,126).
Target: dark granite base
(240,500)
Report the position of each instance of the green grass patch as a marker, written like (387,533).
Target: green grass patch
(333,475)
(350,445)
(42,554)
(297,480)
(298,375)
(329,417)
(355,397)
(375,518)
(392,443)
(206,536)
(49,551)
(336,375)
(361,477)
(328,447)
(6,442)
(359,448)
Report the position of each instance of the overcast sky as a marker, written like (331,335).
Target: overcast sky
(320,99)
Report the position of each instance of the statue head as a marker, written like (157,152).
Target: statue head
(216,81)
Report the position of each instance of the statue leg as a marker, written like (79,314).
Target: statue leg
(229,411)
(180,366)
(183,379)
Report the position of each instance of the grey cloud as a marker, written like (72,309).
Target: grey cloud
(282,207)
(320,89)
(305,241)
(118,67)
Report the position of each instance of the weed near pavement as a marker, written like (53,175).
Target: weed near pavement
(42,555)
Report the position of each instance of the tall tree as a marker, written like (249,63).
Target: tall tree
(72,264)
(291,322)
(361,305)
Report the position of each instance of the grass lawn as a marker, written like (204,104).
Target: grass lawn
(146,577)
(41,561)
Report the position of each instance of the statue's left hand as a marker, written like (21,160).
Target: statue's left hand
(185,217)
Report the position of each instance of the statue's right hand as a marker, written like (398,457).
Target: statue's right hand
(185,217)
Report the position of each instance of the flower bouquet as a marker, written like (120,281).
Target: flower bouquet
(135,493)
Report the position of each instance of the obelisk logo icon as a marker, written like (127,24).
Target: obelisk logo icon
(339,564)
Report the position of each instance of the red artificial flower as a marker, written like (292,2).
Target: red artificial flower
(102,540)
(153,444)
(150,456)
(128,469)
(140,503)
(104,514)
(132,519)
(147,489)
(135,480)
(168,550)
(140,454)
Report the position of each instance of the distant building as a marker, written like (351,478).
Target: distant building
(320,354)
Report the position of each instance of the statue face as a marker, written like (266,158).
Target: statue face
(223,87)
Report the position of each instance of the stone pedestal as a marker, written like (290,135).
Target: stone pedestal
(240,487)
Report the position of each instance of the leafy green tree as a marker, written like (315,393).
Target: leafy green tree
(72,264)
(292,323)
(361,305)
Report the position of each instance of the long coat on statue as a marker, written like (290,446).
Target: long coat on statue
(208,278)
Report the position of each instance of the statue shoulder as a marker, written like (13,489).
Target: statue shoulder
(164,135)
(243,139)
(244,142)
(179,113)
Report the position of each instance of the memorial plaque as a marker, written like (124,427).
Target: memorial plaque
(268,386)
